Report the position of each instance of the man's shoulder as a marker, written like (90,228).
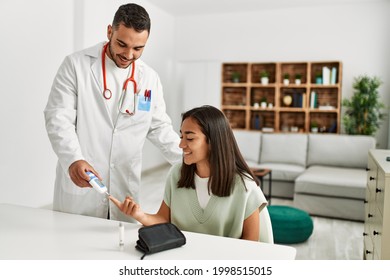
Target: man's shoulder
(145,67)
(92,51)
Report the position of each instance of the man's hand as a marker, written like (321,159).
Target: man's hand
(77,172)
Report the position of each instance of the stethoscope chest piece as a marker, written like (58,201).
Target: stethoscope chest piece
(107,94)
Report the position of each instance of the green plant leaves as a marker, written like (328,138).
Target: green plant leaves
(363,114)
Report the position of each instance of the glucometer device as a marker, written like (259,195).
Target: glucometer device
(96,183)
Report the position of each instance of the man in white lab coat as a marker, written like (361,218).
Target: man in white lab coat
(103,104)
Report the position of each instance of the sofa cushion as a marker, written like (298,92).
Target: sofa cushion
(339,150)
(282,171)
(249,143)
(284,148)
(332,181)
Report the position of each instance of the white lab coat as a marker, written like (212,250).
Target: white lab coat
(80,126)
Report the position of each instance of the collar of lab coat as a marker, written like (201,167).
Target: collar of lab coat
(95,53)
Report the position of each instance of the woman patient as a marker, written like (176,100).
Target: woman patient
(213,191)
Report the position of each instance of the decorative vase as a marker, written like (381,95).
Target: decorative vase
(286,82)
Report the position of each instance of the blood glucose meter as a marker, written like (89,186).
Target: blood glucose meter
(96,183)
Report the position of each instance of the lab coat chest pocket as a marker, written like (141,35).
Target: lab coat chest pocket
(142,116)
(145,100)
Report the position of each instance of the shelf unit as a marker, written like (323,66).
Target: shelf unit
(278,107)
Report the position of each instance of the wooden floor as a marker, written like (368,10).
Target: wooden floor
(332,239)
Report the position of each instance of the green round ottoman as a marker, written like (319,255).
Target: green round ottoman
(290,225)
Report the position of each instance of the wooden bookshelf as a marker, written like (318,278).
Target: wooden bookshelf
(280,107)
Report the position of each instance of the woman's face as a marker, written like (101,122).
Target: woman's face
(194,143)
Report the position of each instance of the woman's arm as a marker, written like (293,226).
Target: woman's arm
(131,208)
(251,228)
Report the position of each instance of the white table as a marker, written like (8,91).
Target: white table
(40,234)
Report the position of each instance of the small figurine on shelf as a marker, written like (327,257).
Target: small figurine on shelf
(236,77)
(298,78)
(264,77)
(286,79)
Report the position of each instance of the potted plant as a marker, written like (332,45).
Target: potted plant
(314,126)
(264,77)
(263,102)
(298,78)
(318,78)
(363,111)
(286,79)
(236,77)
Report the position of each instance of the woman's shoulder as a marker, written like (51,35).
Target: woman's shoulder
(251,190)
(175,169)
(245,184)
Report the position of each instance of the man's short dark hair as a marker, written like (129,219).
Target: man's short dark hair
(132,16)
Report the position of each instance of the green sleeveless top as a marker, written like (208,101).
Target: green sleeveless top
(223,216)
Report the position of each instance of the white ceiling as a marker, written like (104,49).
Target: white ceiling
(199,7)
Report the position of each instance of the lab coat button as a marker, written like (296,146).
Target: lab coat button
(104,200)
(112,165)
(115,130)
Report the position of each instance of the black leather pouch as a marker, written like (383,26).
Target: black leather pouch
(159,237)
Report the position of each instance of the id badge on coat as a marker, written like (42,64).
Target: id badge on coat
(145,100)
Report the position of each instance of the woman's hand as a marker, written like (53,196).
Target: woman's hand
(129,207)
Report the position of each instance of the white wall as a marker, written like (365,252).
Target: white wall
(36,35)
(356,34)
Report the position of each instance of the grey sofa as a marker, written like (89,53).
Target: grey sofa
(324,174)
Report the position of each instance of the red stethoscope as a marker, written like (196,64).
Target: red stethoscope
(125,102)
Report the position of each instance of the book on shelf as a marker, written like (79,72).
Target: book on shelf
(267,129)
(326,107)
(326,75)
(313,100)
(297,100)
(333,76)
(329,75)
